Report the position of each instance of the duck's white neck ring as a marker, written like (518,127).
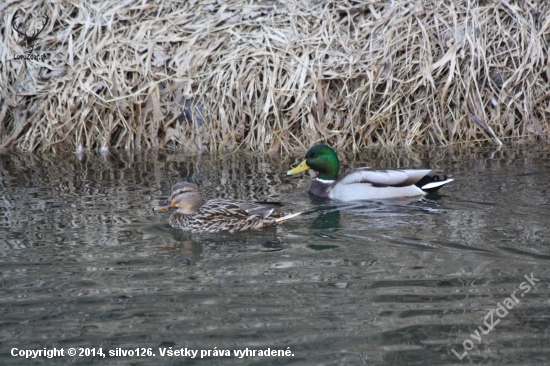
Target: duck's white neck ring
(324,181)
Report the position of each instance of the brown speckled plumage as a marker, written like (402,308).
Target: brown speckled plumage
(219,215)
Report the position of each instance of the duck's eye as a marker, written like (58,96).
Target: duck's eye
(315,155)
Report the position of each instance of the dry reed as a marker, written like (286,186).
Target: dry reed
(270,75)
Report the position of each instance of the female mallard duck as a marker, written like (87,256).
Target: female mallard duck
(219,215)
(365,183)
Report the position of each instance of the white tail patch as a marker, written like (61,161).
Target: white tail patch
(287,217)
(436,184)
(265,213)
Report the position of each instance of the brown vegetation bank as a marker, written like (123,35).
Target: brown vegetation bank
(272,74)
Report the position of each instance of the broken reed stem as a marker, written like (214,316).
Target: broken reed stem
(478,121)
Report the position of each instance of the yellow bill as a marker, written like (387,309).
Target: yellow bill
(300,168)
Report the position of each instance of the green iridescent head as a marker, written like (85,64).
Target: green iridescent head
(322,159)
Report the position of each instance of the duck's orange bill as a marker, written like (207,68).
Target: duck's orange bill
(164,205)
(300,168)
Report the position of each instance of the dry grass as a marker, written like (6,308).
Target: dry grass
(270,75)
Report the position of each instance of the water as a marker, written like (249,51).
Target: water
(86,263)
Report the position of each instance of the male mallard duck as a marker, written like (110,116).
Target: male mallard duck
(219,215)
(365,183)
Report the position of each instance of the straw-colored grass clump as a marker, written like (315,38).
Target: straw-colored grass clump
(271,74)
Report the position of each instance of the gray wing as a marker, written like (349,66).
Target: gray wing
(265,209)
(384,177)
